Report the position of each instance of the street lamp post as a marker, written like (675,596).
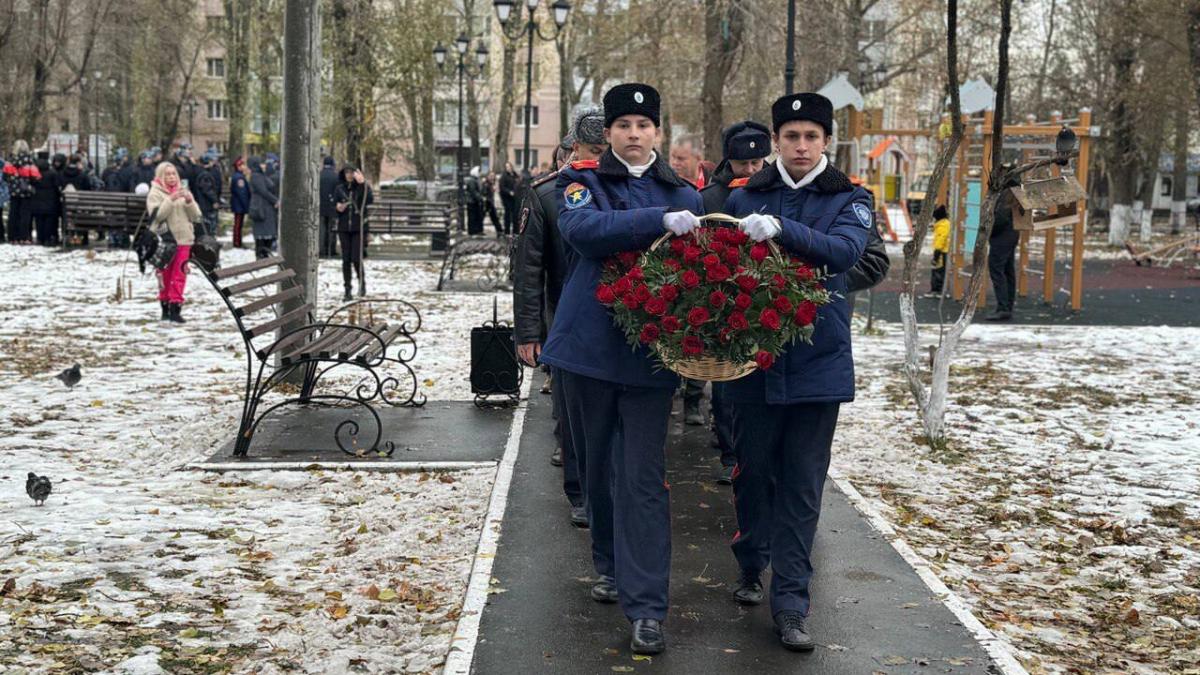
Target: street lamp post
(191,108)
(789,68)
(462,45)
(561,10)
(91,123)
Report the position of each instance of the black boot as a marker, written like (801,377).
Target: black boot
(362,287)
(749,590)
(691,413)
(789,626)
(175,310)
(579,516)
(166,310)
(647,637)
(347,296)
(605,590)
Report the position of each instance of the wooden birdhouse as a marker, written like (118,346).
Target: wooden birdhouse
(1046,204)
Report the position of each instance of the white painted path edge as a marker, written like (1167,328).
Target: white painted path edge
(462,645)
(1000,651)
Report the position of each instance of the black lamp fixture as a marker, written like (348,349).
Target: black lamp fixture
(561,11)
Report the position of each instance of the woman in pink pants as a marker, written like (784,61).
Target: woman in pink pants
(172,208)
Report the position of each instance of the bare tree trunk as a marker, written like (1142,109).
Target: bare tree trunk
(1193,39)
(237,72)
(723,39)
(1123,174)
(472,102)
(504,111)
(1179,177)
(299,212)
(1045,66)
(1143,206)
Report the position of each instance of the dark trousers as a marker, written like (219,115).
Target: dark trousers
(47,228)
(620,436)
(351,243)
(1002,268)
(490,208)
(693,390)
(783,456)
(723,426)
(263,248)
(937,274)
(475,218)
(328,237)
(210,222)
(572,487)
(3,231)
(510,213)
(20,220)
(238,220)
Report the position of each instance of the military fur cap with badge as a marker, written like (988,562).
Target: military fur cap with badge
(746,140)
(805,106)
(632,99)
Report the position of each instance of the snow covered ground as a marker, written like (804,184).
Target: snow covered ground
(1064,509)
(135,566)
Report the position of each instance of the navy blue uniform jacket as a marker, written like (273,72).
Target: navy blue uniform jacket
(826,224)
(604,211)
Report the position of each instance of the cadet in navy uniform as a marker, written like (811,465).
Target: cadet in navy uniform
(784,418)
(541,269)
(618,402)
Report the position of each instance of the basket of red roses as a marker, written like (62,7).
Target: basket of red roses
(712,305)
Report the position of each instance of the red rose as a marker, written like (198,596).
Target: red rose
(721,234)
(716,246)
(668,292)
(630,301)
(636,274)
(779,282)
(806,313)
(649,334)
(764,359)
(746,283)
(628,258)
(723,334)
(697,316)
(717,273)
(642,293)
(604,293)
(691,254)
(711,259)
(677,246)
(737,237)
(620,287)
(783,304)
(717,299)
(743,301)
(690,279)
(692,345)
(670,323)
(737,321)
(732,256)
(759,252)
(804,273)
(656,306)
(672,264)
(769,318)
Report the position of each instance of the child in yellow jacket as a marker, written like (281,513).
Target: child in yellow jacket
(941,248)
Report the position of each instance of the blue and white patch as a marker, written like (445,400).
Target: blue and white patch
(577,195)
(863,213)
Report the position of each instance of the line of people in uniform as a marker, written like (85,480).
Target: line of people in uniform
(616,193)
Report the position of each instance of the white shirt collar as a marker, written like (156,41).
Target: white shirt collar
(637,171)
(808,177)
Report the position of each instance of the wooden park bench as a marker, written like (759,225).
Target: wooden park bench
(102,212)
(495,252)
(256,293)
(393,214)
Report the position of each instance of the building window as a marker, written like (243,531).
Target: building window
(216,68)
(215,24)
(216,109)
(1168,183)
(533,114)
(520,158)
(445,112)
(217,147)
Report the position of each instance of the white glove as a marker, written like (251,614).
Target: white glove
(680,222)
(760,227)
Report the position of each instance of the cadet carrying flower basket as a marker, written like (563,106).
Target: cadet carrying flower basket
(712,305)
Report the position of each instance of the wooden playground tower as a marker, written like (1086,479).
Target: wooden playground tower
(964,190)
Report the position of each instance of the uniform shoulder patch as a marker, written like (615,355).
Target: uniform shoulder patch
(585,164)
(863,213)
(577,195)
(738,182)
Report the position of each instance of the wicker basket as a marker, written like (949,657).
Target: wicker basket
(707,368)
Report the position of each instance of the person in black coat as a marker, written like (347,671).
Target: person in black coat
(22,174)
(264,208)
(509,183)
(115,174)
(45,205)
(352,198)
(329,215)
(204,189)
(488,186)
(1002,254)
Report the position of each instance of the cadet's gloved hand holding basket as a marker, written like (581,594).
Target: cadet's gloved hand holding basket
(712,304)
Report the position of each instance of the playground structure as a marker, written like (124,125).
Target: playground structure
(888,168)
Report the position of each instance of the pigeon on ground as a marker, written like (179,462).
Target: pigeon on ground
(70,376)
(38,488)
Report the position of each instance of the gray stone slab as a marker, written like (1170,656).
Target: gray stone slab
(871,612)
(441,431)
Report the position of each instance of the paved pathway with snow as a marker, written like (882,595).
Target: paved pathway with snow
(871,610)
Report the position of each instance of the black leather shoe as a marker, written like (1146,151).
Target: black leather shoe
(646,637)
(750,589)
(605,590)
(999,315)
(579,517)
(725,476)
(347,297)
(789,626)
(691,414)
(556,457)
